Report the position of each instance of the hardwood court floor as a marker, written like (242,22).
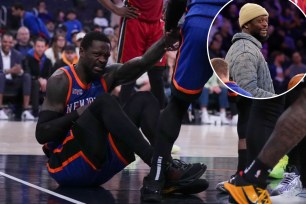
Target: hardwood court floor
(24,178)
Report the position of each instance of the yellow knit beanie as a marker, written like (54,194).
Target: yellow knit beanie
(250,11)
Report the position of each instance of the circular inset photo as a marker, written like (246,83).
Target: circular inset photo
(258,48)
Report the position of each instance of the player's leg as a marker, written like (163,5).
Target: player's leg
(288,132)
(243,109)
(157,84)
(131,44)
(192,57)
(112,118)
(264,114)
(143,110)
(156,74)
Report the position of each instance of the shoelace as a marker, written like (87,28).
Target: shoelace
(263,196)
(176,163)
(288,178)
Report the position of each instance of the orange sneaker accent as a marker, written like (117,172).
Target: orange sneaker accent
(248,194)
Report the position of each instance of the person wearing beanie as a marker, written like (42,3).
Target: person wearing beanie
(247,65)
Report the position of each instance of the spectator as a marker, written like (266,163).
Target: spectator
(215,47)
(72,23)
(114,49)
(99,19)
(79,37)
(226,32)
(39,66)
(23,44)
(50,25)
(60,17)
(54,53)
(12,75)
(97,28)
(73,36)
(61,29)
(42,11)
(277,70)
(33,23)
(109,31)
(220,67)
(247,64)
(69,58)
(297,66)
(214,86)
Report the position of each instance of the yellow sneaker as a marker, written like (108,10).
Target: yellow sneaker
(247,193)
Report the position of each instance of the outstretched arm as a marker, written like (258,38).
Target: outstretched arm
(128,12)
(174,12)
(134,68)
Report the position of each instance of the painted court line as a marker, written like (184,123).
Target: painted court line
(41,189)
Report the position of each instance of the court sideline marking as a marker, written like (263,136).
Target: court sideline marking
(41,189)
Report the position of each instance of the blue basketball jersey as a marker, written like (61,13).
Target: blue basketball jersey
(80,94)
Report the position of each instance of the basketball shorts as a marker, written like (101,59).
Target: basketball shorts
(136,37)
(72,164)
(193,68)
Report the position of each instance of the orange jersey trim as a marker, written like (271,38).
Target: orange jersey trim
(116,150)
(83,86)
(232,94)
(65,163)
(187,91)
(70,85)
(103,82)
(68,138)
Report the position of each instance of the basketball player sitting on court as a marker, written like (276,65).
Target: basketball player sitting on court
(221,68)
(87,136)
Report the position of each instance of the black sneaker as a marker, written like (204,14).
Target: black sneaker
(151,190)
(196,186)
(179,178)
(179,172)
(184,178)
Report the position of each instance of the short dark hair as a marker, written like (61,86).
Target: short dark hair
(41,39)
(8,34)
(19,6)
(91,36)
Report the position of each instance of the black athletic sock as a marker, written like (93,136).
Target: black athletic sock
(257,173)
(242,160)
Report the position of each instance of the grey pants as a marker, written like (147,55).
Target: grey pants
(15,84)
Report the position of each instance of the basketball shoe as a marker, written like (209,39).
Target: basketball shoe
(290,185)
(279,169)
(243,192)
(180,177)
(220,186)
